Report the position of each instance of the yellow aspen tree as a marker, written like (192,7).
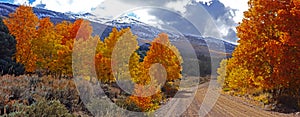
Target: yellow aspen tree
(46,44)
(104,56)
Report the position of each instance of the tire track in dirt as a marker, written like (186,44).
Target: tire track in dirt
(226,106)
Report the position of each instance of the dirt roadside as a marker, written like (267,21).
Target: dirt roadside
(226,106)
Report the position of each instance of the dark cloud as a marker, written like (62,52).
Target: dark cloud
(180,13)
(220,13)
(215,8)
(175,20)
(231,36)
(222,16)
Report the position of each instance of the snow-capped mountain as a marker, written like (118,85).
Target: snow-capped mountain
(145,32)
(6,8)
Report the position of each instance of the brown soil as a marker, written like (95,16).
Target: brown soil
(225,106)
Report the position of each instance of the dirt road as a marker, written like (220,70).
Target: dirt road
(225,106)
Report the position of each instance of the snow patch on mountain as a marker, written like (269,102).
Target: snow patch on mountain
(142,30)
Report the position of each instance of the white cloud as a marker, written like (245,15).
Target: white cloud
(20,1)
(75,6)
(240,5)
(179,5)
(206,1)
(109,9)
(112,9)
(144,16)
(82,6)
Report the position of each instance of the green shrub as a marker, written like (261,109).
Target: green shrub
(28,90)
(48,108)
(43,108)
(105,108)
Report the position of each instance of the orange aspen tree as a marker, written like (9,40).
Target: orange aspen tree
(22,24)
(163,52)
(268,54)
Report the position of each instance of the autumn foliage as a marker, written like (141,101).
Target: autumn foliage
(104,55)
(166,54)
(64,49)
(117,59)
(22,24)
(43,46)
(268,55)
(147,98)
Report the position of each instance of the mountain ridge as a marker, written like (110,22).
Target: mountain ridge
(144,31)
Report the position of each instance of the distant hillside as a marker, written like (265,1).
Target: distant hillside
(145,32)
